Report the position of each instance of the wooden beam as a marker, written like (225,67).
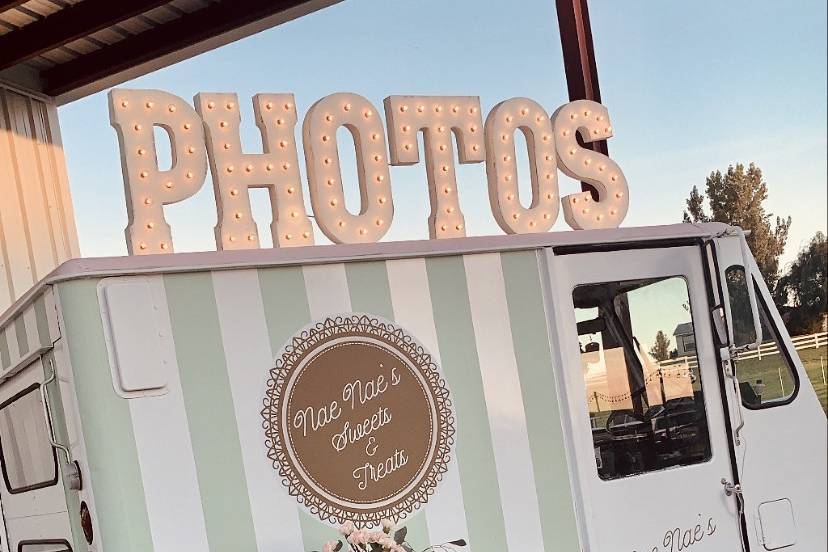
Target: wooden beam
(10,5)
(67,25)
(178,34)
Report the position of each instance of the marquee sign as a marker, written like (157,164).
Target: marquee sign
(358,420)
(211,131)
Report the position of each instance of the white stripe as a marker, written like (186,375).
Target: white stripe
(411,300)
(51,314)
(327,287)
(30,323)
(504,401)
(249,358)
(165,454)
(11,339)
(327,291)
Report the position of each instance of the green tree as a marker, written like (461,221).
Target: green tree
(736,198)
(803,287)
(661,349)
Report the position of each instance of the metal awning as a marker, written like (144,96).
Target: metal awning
(67,49)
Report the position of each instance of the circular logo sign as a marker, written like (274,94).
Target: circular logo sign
(357,419)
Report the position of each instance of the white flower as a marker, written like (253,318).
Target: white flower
(347,528)
(387,525)
(361,536)
(329,546)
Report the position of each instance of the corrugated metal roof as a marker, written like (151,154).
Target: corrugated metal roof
(70,48)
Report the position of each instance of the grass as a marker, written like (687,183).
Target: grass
(770,367)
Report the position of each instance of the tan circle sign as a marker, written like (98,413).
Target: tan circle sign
(358,421)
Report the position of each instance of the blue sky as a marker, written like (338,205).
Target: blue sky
(690,86)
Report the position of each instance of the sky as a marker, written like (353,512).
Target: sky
(691,87)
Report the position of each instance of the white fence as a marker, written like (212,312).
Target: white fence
(813,341)
(768,348)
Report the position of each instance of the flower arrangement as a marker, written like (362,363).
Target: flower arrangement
(388,539)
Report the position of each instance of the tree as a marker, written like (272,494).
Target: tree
(736,198)
(803,287)
(661,349)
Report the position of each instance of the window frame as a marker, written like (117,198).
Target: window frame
(781,345)
(769,321)
(41,485)
(35,542)
(710,454)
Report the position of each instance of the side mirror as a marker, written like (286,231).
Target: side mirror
(748,263)
(720,326)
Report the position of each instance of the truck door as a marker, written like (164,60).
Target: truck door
(780,429)
(32,491)
(648,432)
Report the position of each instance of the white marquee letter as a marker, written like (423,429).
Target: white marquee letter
(437,117)
(325,175)
(501,170)
(234,172)
(133,113)
(591,120)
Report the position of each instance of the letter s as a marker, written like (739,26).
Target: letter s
(590,120)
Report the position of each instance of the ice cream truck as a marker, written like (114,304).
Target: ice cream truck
(494,389)
(596,390)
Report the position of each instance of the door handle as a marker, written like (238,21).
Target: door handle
(73,473)
(731,489)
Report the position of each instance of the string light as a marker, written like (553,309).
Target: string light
(133,113)
(324,171)
(552,142)
(590,120)
(289,217)
(459,114)
(506,118)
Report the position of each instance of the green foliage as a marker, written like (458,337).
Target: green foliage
(661,349)
(803,288)
(736,198)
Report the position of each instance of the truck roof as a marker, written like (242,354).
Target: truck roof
(323,254)
(100,267)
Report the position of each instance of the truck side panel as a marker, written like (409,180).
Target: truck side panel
(482,316)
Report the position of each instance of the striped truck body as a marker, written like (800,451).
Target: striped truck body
(188,470)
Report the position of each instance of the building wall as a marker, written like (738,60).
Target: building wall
(37,226)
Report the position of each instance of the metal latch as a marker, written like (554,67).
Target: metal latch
(731,489)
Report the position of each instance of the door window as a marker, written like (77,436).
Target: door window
(28,460)
(643,384)
(766,375)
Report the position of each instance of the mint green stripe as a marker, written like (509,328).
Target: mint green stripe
(42,322)
(315,533)
(112,457)
(540,399)
(5,358)
(370,292)
(458,351)
(286,310)
(285,302)
(368,288)
(22,338)
(210,412)
(62,433)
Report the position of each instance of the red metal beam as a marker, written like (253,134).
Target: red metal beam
(579,62)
